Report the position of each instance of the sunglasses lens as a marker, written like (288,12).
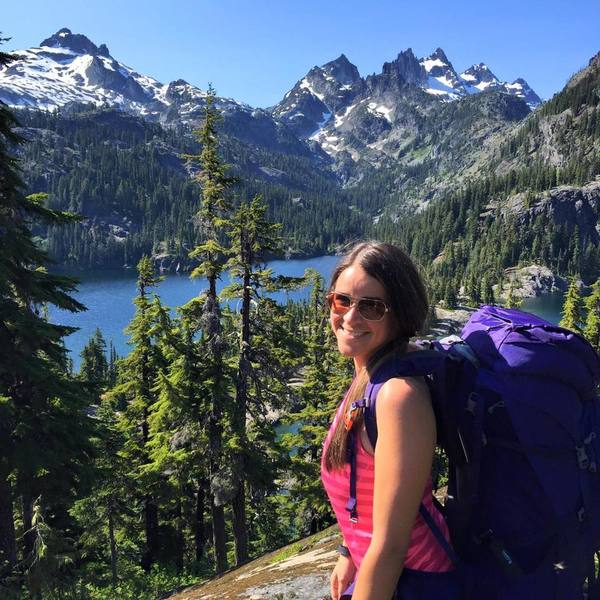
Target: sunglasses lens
(339,303)
(372,310)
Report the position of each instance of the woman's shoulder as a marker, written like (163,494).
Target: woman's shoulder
(401,391)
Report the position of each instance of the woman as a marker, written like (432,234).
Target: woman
(377,302)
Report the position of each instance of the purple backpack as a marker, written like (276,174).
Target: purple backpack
(518,415)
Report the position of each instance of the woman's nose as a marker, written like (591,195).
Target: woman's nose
(352,314)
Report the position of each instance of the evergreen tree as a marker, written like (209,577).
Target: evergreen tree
(102,513)
(252,237)
(179,427)
(211,218)
(323,371)
(592,321)
(135,395)
(572,311)
(511,299)
(94,365)
(34,379)
(487,291)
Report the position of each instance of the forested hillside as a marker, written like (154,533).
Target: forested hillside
(535,202)
(129,179)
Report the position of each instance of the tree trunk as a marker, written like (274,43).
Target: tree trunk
(113,546)
(199,532)
(240,530)
(219,538)
(180,539)
(215,427)
(8,542)
(217,511)
(151,522)
(28,535)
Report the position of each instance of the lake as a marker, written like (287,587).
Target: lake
(109,295)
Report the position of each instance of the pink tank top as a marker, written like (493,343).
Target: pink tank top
(424,552)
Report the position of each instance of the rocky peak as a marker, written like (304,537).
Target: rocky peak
(439,54)
(519,87)
(442,76)
(65,38)
(342,70)
(405,69)
(479,74)
(324,91)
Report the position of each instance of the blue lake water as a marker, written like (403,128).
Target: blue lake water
(548,307)
(109,295)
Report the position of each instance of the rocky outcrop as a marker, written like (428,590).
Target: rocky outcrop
(300,570)
(564,205)
(533,281)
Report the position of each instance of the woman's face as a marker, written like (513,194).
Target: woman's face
(356,336)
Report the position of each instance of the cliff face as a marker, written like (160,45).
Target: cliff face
(300,570)
(564,205)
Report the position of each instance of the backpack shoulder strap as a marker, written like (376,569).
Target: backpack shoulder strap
(414,364)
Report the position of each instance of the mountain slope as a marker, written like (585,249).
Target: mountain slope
(339,158)
(535,200)
(127,178)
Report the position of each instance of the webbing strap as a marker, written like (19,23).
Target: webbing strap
(351,505)
(439,536)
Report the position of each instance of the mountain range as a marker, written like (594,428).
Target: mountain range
(326,106)
(339,155)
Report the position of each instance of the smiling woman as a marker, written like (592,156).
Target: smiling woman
(358,315)
(382,499)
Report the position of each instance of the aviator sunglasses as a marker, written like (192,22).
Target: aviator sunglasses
(370,309)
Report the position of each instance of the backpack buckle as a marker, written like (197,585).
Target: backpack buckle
(582,458)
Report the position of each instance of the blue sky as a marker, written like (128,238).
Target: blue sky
(255,50)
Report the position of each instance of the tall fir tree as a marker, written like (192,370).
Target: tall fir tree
(135,394)
(322,365)
(592,320)
(94,364)
(215,207)
(178,429)
(572,310)
(252,237)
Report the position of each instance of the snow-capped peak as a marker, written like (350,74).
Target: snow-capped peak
(479,77)
(442,79)
(78,43)
(519,87)
(68,67)
(321,93)
(342,70)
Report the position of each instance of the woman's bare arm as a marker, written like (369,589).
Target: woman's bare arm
(403,457)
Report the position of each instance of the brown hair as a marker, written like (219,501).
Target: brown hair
(407,298)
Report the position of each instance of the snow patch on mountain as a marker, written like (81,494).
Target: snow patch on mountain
(306,85)
(380,110)
(69,68)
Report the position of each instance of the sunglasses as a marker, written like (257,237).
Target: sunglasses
(370,309)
